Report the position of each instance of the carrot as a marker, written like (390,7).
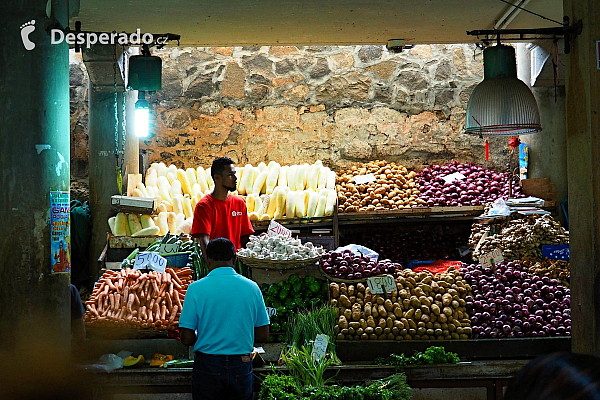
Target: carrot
(173,314)
(177,301)
(163,312)
(143,312)
(111,300)
(159,278)
(92,309)
(156,311)
(174,276)
(169,301)
(130,302)
(155,287)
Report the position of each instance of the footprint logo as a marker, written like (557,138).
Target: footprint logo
(26,30)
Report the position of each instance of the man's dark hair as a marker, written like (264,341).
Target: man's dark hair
(557,376)
(220,249)
(218,165)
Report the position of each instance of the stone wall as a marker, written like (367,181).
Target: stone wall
(343,105)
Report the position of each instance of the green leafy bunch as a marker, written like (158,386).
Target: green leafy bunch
(433,355)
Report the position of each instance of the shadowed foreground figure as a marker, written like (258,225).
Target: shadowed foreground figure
(558,376)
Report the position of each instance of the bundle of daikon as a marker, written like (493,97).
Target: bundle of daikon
(133,225)
(134,299)
(295,191)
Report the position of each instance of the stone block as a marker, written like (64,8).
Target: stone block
(176,118)
(357,150)
(343,60)
(370,53)
(234,84)
(281,51)
(383,70)
(224,51)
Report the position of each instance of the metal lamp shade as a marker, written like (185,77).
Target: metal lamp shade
(502,105)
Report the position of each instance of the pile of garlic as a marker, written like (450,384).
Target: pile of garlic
(278,247)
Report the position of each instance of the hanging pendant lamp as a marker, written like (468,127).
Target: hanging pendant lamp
(501,105)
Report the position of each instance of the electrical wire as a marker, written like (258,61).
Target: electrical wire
(531,12)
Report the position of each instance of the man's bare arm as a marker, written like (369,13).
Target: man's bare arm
(188,336)
(261,334)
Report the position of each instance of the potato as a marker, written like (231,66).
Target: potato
(345,301)
(343,323)
(335,290)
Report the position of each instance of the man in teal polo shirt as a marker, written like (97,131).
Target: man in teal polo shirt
(223,315)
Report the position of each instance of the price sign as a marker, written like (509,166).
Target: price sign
(319,347)
(556,252)
(362,179)
(489,260)
(271,312)
(457,176)
(381,284)
(169,248)
(151,260)
(276,228)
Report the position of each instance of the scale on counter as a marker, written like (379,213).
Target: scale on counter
(138,205)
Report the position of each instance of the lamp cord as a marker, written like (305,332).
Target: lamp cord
(531,12)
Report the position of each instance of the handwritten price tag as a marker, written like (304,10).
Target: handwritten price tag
(276,228)
(151,260)
(457,176)
(489,260)
(378,284)
(271,312)
(362,179)
(319,347)
(169,248)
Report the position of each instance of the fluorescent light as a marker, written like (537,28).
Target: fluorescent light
(142,116)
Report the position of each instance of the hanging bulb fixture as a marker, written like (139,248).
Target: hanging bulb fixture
(501,105)
(142,115)
(144,76)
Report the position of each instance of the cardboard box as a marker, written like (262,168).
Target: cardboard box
(539,187)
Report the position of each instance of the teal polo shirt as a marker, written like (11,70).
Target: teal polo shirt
(224,308)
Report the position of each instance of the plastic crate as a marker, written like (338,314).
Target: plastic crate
(177,260)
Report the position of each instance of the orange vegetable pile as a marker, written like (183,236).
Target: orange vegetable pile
(134,299)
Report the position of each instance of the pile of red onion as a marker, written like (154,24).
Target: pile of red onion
(480,185)
(347,265)
(509,302)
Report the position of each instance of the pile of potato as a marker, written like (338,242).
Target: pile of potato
(394,188)
(424,307)
(554,269)
(521,239)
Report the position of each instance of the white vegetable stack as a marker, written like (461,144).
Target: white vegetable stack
(278,247)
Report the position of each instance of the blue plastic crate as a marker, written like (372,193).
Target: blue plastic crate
(177,260)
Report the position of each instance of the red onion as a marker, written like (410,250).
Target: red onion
(480,185)
(347,265)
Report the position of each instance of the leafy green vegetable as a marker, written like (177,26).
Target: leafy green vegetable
(433,355)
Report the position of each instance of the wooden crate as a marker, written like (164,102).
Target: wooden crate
(539,187)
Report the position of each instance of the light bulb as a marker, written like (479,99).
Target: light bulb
(142,115)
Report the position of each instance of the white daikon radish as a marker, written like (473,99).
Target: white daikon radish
(330,180)
(201,178)
(187,207)
(171,176)
(146,221)
(250,203)
(150,231)
(111,224)
(282,180)
(176,189)
(121,224)
(262,167)
(185,227)
(290,204)
(320,212)
(254,216)
(151,177)
(155,219)
(280,201)
(300,204)
(194,201)
(163,223)
(171,221)
(331,202)
(313,200)
(161,208)
(259,205)
(142,188)
(291,176)
(302,176)
(186,187)
(272,177)
(167,204)
(196,190)
(247,180)
(259,182)
(323,174)
(271,164)
(153,191)
(191,174)
(134,223)
(272,202)
(239,173)
(209,179)
(172,168)
(312,180)
(179,219)
(177,206)
(137,193)
(162,169)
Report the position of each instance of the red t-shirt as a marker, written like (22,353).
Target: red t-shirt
(218,218)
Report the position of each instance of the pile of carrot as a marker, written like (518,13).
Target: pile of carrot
(134,299)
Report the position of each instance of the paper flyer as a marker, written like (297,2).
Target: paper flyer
(60,244)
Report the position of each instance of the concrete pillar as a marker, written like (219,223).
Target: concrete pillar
(34,160)
(102,165)
(583,163)
(548,148)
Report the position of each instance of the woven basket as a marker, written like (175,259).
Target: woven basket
(340,280)
(277,264)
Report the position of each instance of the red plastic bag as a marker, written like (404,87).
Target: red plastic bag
(439,266)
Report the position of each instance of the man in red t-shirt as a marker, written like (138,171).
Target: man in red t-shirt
(220,214)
